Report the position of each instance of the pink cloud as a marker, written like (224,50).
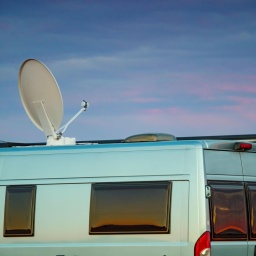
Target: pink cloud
(208,88)
(248,88)
(184,121)
(242,100)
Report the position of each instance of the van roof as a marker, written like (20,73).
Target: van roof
(222,142)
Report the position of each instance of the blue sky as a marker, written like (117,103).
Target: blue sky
(185,67)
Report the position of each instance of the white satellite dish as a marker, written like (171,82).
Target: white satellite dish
(42,100)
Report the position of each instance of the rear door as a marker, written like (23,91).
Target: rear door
(228,214)
(228,210)
(249,169)
(251,193)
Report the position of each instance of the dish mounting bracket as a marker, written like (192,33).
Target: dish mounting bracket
(45,120)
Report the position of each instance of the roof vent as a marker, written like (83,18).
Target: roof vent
(146,137)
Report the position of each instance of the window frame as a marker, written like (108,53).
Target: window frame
(126,229)
(9,200)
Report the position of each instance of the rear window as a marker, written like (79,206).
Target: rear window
(19,211)
(123,208)
(228,211)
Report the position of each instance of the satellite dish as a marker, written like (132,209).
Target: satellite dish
(36,83)
(42,100)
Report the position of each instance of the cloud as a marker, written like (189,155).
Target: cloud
(243,87)
(184,122)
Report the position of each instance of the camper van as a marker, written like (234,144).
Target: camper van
(147,195)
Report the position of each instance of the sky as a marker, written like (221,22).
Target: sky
(183,67)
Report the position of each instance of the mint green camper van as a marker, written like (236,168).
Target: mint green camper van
(146,195)
(182,197)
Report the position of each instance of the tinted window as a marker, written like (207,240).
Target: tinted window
(228,211)
(130,208)
(19,211)
(251,191)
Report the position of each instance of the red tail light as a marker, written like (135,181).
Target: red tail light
(203,245)
(242,146)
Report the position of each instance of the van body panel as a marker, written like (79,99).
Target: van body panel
(249,164)
(251,248)
(86,162)
(223,163)
(63,179)
(62,227)
(96,249)
(229,248)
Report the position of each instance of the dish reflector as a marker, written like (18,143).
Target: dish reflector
(38,87)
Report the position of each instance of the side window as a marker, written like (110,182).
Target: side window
(228,211)
(251,192)
(19,211)
(125,208)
